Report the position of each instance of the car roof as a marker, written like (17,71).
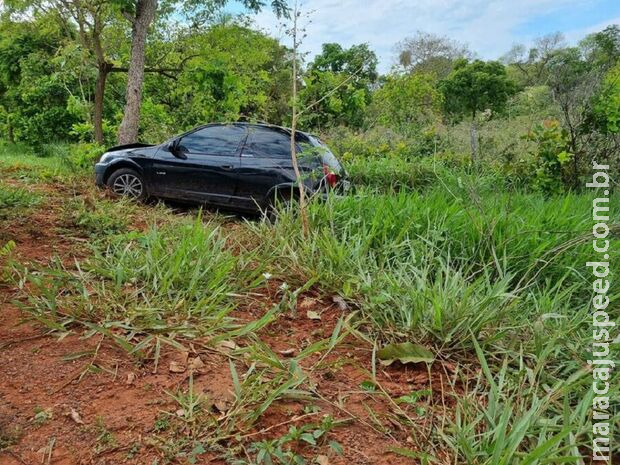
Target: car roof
(259,124)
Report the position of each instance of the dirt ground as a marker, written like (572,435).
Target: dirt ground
(59,406)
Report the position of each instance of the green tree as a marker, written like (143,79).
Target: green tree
(602,49)
(338,86)
(33,95)
(406,103)
(581,92)
(473,87)
(606,105)
(233,73)
(140,14)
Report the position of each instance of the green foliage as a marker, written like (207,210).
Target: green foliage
(49,162)
(32,95)
(443,262)
(383,142)
(602,48)
(98,218)
(407,103)
(282,450)
(161,285)
(460,267)
(476,86)
(551,155)
(390,174)
(606,108)
(337,88)
(234,72)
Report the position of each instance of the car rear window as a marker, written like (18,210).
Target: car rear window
(267,143)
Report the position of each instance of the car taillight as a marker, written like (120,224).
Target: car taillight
(330,176)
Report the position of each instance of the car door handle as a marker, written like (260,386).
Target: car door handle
(226,167)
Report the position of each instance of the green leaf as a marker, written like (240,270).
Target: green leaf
(336,447)
(309,438)
(368,386)
(406,352)
(543,448)
(414,396)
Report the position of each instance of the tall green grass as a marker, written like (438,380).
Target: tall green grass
(429,259)
(56,162)
(497,279)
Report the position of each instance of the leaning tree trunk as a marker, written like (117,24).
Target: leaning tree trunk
(145,12)
(102,74)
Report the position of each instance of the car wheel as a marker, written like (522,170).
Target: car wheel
(128,183)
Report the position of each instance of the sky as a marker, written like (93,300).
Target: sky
(488,27)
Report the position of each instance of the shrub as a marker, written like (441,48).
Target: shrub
(551,156)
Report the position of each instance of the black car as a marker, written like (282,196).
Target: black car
(241,166)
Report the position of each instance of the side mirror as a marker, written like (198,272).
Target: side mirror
(173,148)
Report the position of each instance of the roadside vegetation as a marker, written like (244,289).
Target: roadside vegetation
(489,284)
(438,314)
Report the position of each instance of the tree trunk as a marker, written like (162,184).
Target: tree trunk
(473,134)
(298,175)
(145,12)
(102,75)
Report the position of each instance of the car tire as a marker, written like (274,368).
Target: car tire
(127,182)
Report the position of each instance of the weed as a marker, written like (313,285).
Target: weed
(98,218)
(105,439)
(283,450)
(147,290)
(190,407)
(9,436)
(16,201)
(42,415)
(162,423)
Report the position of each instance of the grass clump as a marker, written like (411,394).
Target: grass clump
(445,264)
(16,201)
(390,174)
(98,218)
(142,289)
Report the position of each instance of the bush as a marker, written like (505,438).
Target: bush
(550,156)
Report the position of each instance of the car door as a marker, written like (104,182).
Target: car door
(208,171)
(265,163)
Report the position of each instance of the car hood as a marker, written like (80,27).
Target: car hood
(126,147)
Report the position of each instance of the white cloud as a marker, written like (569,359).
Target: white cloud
(575,35)
(489,27)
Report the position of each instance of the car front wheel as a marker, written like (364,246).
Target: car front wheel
(128,183)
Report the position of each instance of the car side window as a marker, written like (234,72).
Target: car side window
(267,143)
(213,140)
